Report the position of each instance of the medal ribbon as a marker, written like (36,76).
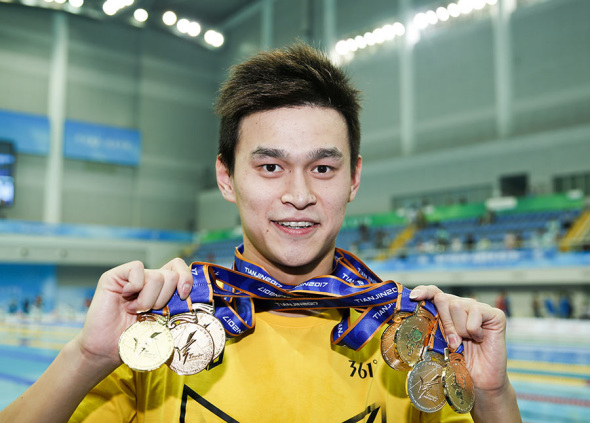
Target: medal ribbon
(350,285)
(201,293)
(439,342)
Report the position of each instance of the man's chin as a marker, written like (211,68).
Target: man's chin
(303,262)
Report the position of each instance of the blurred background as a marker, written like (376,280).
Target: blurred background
(475,145)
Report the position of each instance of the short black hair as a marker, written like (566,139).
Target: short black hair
(297,75)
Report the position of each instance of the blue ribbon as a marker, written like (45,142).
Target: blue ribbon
(350,285)
(440,343)
(201,293)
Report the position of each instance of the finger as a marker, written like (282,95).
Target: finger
(486,318)
(424,292)
(129,276)
(474,323)
(467,318)
(168,288)
(442,302)
(185,277)
(147,296)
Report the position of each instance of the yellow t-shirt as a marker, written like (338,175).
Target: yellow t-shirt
(285,370)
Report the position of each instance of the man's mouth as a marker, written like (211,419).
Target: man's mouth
(296,225)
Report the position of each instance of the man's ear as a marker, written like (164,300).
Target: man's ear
(356,179)
(224,181)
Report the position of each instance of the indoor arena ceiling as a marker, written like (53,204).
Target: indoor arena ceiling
(213,12)
(191,19)
(208,12)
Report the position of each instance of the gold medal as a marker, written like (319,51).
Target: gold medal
(412,336)
(458,384)
(424,386)
(193,345)
(215,329)
(146,344)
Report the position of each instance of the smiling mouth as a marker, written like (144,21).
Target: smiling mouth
(296,225)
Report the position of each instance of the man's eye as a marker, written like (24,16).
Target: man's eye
(323,169)
(271,167)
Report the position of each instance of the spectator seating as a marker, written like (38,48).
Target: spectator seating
(533,222)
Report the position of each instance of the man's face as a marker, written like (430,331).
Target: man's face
(291,182)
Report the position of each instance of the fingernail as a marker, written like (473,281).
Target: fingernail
(186,289)
(415,293)
(454,341)
(132,309)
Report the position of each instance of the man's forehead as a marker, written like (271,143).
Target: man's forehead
(302,131)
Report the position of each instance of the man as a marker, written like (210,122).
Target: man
(289,159)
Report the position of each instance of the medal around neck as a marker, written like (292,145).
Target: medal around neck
(424,385)
(215,329)
(458,384)
(146,344)
(193,345)
(411,337)
(388,348)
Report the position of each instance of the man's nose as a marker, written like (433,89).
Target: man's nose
(298,191)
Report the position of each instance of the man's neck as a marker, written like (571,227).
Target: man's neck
(295,275)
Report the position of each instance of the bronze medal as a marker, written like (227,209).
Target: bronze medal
(388,350)
(193,346)
(424,386)
(146,345)
(411,338)
(387,342)
(458,385)
(215,329)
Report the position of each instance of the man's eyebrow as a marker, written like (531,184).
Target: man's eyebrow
(262,152)
(278,153)
(325,153)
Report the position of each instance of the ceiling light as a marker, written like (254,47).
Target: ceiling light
(140,15)
(454,10)
(360,41)
(183,25)
(214,38)
(369,38)
(421,21)
(110,8)
(194,29)
(432,18)
(169,18)
(76,3)
(351,44)
(399,29)
(341,46)
(479,4)
(442,13)
(388,32)
(379,35)
(465,6)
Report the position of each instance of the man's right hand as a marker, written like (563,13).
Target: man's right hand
(121,294)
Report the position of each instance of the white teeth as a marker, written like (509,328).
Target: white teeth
(296,224)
